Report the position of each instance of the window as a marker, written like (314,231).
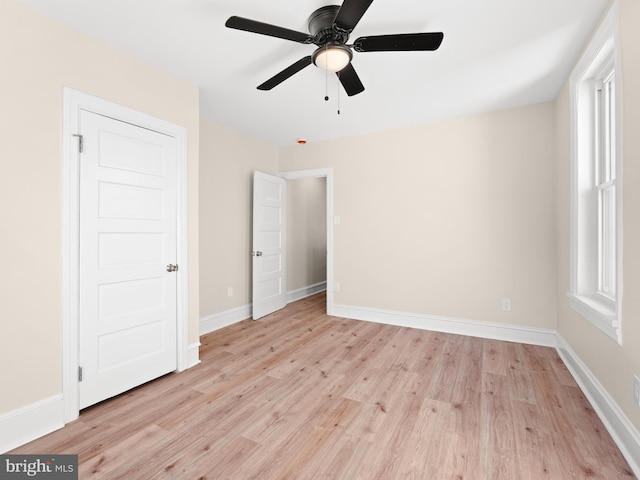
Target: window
(596,192)
(606,183)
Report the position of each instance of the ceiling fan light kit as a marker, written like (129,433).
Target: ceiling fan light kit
(332,57)
(329,29)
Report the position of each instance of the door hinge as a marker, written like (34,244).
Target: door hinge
(80,142)
(79,374)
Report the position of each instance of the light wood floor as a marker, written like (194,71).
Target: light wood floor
(301,395)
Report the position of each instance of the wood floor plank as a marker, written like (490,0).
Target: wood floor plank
(302,395)
(105,464)
(315,444)
(393,437)
(423,445)
(344,459)
(497,443)
(493,357)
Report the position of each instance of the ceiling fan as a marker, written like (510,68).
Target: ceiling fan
(329,29)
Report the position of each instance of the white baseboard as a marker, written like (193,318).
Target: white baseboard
(304,292)
(617,423)
(220,320)
(30,422)
(194,355)
(459,326)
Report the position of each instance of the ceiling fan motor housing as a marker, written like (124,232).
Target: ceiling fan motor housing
(321,26)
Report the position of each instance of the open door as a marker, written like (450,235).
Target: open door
(269,244)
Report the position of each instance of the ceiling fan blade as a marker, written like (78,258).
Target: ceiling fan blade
(248,25)
(404,42)
(350,13)
(286,73)
(350,80)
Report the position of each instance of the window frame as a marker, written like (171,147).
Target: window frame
(596,171)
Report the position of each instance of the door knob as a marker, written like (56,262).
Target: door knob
(172,268)
(257,254)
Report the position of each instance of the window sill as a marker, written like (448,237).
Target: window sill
(601,315)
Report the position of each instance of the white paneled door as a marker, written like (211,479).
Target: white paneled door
(128,251)
(269,244)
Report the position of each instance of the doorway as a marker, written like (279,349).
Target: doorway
(306,237)
(327,174)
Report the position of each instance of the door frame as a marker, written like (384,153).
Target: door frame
(326,173)
(73,102)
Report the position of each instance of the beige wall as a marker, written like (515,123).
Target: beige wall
(446,218)
(612,364)
(227,162)
(39,57)
(306,232)
(443,219)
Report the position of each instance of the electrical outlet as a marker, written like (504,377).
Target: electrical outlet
(336,286)
(636,389)
(506,304)
(230,292)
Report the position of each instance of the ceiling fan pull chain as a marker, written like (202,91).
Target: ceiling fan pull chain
(326,82)
(338,94)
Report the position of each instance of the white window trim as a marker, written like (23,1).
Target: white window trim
(603,314)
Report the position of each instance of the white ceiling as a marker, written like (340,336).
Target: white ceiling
(496,54)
